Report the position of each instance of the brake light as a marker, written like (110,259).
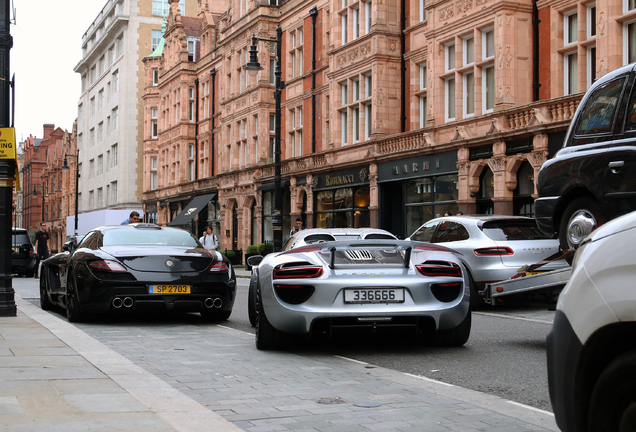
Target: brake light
(304,272)
(439,268)
(107,266)
(494,251)
(219,267)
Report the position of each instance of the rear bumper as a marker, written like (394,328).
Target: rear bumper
(23,264)
(544,209)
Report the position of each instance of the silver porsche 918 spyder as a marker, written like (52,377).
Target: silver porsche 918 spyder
(326,280)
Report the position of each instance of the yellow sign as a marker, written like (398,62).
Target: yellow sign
(7,143)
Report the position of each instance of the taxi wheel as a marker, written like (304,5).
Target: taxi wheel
(613,404)
(579,219)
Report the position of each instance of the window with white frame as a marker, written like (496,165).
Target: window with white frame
(190,162)
(91,200)
(192,50)
(344,26)
(570,27)
(355,125)
(162,7)
(108,161)
(191,104)
(115,115)
(102,65)
(368,16)
(113,190)
(111,55)
(91,168)
(92,133)
(449,90)
(116,81)
(272,136)
(156,38)
(629,42)
(449,56)
(120,45)
(296,131)
(100,131)
(155,77)
(570,73)
(468,54)
(488,88)
(590,10)
(591,65)
(100,99)
(114,149)
(153,173)
(422,10)
(469,94)
(153,122)
(255,137)
(100,197)
(488,43)
(344,88)
(100,164)
(93,106)
(355,30)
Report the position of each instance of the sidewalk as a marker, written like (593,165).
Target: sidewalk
(56,377)
(81,385)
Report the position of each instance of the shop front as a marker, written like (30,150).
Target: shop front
(415,190)
(342,198)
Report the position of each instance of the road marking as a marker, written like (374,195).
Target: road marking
(548,413)
(513,317)
(429,379)
(351,360)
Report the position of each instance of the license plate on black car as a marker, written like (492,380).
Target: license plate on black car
(169,289)
(374,295)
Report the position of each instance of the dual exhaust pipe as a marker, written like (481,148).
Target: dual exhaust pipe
(127,302)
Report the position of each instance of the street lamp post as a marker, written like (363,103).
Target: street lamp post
(77,176)
(253,67)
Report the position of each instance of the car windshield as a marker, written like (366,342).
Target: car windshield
(21,239)
(140,237)
(506,230)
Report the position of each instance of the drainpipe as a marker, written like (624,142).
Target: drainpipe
(535,51)
(313,13)
(213,102)
(403,70)
(196,128)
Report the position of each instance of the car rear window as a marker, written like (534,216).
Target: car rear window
(317,238)
(379,236)
(21,239)
(598,114)
(122,237)
(506,230)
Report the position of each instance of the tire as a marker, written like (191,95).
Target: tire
(251,303)
(45,303)
(613,403)
(579,219)
(73,307)
(267,337)
(476,302)
(215,315)
(457,336)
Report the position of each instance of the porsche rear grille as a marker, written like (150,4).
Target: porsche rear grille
(358,255)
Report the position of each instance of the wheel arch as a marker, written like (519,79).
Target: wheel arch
(569,196)
(605,345)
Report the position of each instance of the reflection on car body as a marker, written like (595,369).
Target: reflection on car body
(126,267)
(330,280)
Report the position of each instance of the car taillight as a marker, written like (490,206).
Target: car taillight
(219,267)
(281,272)
(439,268)
(107,266)
(494,251)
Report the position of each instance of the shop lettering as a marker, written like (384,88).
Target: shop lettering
(415,167)
(339,180)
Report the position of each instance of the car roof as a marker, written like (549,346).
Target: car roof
(18,229)
(340,232)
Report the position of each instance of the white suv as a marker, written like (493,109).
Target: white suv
(592,345)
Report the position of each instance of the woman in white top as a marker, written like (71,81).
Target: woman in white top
(209,240)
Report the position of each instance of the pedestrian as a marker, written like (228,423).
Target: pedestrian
(133,218)
(41,247)
(299,227)
(209,240)
(446,214)
(459,213)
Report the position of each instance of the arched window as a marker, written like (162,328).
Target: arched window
(523,203)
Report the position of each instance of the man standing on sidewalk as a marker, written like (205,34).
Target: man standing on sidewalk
(41,247)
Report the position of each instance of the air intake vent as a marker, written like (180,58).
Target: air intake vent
(358,255)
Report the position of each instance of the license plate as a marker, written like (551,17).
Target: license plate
(374,295)
(169,289)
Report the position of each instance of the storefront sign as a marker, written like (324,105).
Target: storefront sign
(421,166)
(7,143)
(348,177)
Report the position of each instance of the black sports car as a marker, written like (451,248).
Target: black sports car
(125,267)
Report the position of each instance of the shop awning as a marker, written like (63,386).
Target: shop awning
(192,209)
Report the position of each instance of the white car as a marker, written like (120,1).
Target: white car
(591,348)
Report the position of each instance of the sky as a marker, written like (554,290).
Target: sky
(47,45)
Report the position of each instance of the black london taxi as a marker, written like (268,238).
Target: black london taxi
(592,179)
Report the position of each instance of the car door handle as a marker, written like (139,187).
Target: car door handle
(615,166)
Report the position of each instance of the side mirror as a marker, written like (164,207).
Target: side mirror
(255,260)
(65,247)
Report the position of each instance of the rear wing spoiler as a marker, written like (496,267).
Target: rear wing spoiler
(405,246)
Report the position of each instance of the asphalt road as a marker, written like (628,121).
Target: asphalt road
(505,355)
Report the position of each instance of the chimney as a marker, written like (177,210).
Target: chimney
(48,129)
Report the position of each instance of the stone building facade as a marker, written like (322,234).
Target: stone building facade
(392,112)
